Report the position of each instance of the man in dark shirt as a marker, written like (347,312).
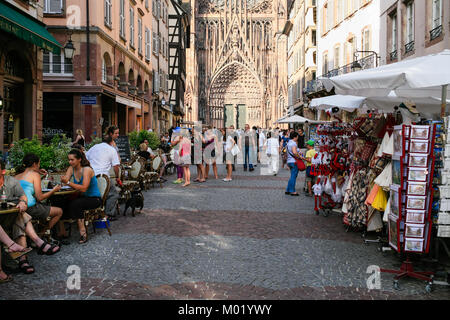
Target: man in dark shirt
(301,139)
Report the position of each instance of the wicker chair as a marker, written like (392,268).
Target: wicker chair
(99,213)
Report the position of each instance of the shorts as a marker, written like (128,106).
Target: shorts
(308,176)
(39,211)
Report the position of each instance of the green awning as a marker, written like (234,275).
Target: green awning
(26,28)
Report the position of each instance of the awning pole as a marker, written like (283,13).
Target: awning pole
(444,101)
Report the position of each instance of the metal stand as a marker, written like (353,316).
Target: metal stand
(407,270)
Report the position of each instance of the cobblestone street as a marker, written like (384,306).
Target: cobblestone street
(244,239)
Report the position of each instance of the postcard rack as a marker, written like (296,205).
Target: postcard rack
(410,222)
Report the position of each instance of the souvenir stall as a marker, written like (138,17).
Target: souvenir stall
(417,205)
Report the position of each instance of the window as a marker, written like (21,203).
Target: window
(140,36)
(158,9)
(57,65)
(122,19)
(337,57)
(394,32)
(131,26)
(108,10)
(104,72)
(437,14)
(366,41)
(53,6)
(146,4)
(147,44)
(159,43)
(325,63)
(410,22)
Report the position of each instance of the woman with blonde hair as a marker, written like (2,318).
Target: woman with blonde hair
(80,138)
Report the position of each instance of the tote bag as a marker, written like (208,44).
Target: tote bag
(235,150)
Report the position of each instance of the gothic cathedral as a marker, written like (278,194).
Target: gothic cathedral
(236,66)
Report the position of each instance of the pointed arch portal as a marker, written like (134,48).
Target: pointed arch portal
(235,97)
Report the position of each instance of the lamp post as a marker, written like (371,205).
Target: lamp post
(356,66)
(1,103)
(69,48)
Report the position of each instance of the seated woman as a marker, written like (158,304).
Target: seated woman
(144,153)
(12,247)
(30,180)
(20,224)
(85,181)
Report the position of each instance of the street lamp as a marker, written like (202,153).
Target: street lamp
(1,103)
(356,66)
(69,49)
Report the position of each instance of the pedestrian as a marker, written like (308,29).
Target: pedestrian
(102,157)
(261,143)
(249,147)
(292,154)
(210,153)
(272,151)
(176,139)
(80,138)
(185,156)
(197,155)
(85,181)
(229,158)
(301,139)
(309,155)
(284,141)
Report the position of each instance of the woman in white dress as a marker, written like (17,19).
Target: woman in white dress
(273,152)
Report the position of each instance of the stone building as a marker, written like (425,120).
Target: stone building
(109,80)
(237,62)
(413,28)
(302,51)
(23,37)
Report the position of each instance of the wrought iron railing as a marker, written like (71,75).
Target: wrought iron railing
(393,55)
(435,33)
(409,47)
(316,85)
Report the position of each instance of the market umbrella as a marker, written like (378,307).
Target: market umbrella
(299,119)
(347,103)
(422,77)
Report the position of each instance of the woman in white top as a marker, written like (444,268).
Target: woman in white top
(228,155)
(272,151)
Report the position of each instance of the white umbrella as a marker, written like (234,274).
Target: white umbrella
(278,121)
(347,103)
(299,119)
(427,76)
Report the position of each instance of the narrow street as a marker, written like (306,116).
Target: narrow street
(243,239)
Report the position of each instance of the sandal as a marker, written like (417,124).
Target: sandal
(83,239)
(50,251)
(25,269)
(8,278)
(17,255)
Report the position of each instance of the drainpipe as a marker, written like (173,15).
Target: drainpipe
(88,39)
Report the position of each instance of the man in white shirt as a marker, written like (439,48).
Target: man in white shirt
(103,157)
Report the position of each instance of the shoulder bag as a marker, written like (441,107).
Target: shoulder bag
(300,164)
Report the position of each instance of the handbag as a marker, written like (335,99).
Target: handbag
(299,163)
(235,150)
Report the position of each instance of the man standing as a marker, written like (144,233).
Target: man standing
(249,147)
(301,140)
(103,157)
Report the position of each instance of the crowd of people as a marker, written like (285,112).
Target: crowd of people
(203,147)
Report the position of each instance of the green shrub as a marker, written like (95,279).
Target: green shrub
(53,156)
(137,137)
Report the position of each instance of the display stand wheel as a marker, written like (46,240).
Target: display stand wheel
(429,287)
(396,285)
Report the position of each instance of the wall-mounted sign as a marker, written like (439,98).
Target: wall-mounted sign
(90,99)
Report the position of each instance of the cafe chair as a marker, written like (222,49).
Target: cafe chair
(99,214)
(112,176)
(156,166)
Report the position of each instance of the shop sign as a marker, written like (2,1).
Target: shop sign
(87,100)
(128,102)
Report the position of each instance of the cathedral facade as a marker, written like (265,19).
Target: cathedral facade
(236,66)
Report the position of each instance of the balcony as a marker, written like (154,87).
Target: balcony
(435,33)
(409,47)
(393,55)
(316,85)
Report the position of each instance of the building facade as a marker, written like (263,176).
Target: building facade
(413,28)
(302,51)
(23,38)
(179,31)
(348,32)
(109,80)
(238,60)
